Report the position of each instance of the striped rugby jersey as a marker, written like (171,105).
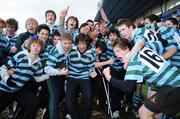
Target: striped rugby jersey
(12,40)
(56,61)
(24,71)
(149,38)
(167,76)
(153,27)
(4,44)
(80,66)
(145,35)
(108,54)
(173,38)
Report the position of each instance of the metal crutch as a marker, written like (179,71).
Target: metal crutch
(107,94)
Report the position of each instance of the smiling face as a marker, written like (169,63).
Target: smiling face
(66,44)
(82,47)
(43,34)
(125,31)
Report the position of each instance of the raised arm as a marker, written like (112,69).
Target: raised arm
(102,12)
(139,44)
(63,14)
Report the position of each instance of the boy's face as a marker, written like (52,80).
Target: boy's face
(120,53)
(113,36)
(170,24)
(1,27)
(98,51)
(91,25)
(94,35)
(96,27)
(55,39)
(85,30)
(103,27)
(147,22)
(66,45)
(31,26)
(82,46)
(35,48)
(125,31)
(43,34)
(71,24)
(50,18)
(10,30)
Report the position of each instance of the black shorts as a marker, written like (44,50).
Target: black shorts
(166,100)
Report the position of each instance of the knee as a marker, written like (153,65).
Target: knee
(141,111)
(144,113)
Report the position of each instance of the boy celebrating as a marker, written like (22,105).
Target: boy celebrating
(17,72)
(80,68)
(56,67)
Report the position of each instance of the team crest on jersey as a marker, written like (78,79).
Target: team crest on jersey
(39,65)
(154,99)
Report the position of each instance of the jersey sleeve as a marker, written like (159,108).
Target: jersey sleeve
(134,71)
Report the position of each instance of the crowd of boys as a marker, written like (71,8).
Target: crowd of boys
(50,65)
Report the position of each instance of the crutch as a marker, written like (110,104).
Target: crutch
(107,94)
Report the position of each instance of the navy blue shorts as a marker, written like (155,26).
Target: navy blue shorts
(166,100)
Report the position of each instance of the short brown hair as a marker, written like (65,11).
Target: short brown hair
(50,11)
(75,19)
(31,20)
(153,18)
(13,23)
(126,22)
(122,43)
(66,36)
(37,41)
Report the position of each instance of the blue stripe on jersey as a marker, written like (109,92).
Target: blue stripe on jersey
(4,44)
(117,65)
(12,40)
(80,65)
(166,32)
(55,58)
(23,72)
(168,76)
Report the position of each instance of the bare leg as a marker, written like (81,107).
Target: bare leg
(144,113)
